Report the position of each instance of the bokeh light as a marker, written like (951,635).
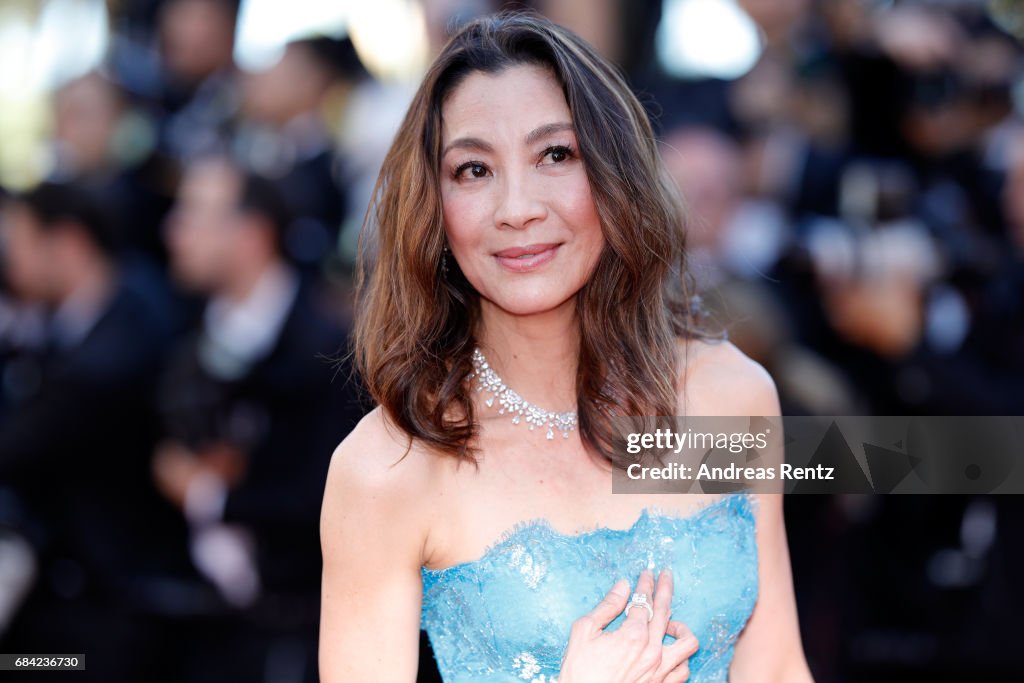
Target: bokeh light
(707,38)
(35,57)
(390,35)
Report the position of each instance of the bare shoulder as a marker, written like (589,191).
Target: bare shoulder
(376,481)
(717,378)
(377,453)
(377,459)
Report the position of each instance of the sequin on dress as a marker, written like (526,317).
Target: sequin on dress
(506,616)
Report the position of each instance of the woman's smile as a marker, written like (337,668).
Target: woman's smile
(528,258)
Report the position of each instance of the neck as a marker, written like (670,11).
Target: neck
(245,279)
(535,355)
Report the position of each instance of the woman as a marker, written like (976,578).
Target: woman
(526,240)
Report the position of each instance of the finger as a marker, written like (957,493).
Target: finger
(644,585)
(677,654)
(679,674)
(685,645)
(662,604)
(611,605)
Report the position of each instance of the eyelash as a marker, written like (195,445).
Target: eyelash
(565,149)
(569,152)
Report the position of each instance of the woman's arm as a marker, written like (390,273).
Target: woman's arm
(769,648)
(371,532)
(723,381)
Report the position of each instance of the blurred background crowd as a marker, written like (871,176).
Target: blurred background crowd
(184,183)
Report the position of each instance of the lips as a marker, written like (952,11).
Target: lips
(526,258)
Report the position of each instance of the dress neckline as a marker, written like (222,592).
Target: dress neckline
(542,525)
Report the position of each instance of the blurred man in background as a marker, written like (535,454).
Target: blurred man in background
(198,86)
(251,417)
(76,440)
(732,241)
(102,139)
(288,132)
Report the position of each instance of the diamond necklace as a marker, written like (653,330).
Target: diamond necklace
(487,380)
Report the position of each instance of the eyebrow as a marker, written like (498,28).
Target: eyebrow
(546,130)
(536,134)
(467,143)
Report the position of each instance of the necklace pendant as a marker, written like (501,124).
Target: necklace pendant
(487,380)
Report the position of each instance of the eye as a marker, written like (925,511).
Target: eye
(558,154)
(475,169)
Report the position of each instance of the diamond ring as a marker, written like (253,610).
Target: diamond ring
(640,600)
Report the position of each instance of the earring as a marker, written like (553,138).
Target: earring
(444,261)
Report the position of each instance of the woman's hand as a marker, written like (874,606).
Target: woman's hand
(633,653)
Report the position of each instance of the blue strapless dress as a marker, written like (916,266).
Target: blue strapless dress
(506,617)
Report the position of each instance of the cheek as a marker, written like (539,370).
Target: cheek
(18,264)
(181,240)
(196,249)
(37,269)
(29,259)
(577,209)
(465,221)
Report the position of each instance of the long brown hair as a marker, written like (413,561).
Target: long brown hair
(415,325)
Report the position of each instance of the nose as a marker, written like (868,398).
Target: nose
(520,203)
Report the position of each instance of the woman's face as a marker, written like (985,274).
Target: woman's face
(518,210)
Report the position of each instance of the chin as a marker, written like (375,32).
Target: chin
(524,305)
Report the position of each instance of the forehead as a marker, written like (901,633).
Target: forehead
(210,182)
(515,100)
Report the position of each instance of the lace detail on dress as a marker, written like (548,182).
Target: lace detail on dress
(507,615)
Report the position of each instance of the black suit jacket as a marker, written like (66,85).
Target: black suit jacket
(287,413)
(78,452)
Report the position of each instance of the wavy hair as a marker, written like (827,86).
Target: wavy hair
(415,327)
